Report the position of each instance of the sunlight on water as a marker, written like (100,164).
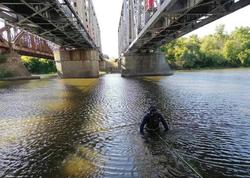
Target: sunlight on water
(81,84)
(12,131)
(79,164)
(53,128)
(156,79)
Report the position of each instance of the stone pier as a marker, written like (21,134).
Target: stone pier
(12,66)
(78,63)
(145,64)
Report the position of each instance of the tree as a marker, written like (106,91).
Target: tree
(217,50)
(38,65)
(236,49)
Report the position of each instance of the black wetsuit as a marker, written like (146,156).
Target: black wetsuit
(152,121)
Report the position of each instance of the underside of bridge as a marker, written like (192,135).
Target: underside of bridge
(145,25)
(70,24)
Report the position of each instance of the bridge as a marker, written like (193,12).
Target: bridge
(68,31)
(24,43)
(146,25)
(70,24)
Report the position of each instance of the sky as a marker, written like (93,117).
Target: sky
(109,11)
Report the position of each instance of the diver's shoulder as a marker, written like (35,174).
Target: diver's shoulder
(158,113)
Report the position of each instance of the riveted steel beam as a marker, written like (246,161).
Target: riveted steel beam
(170,19)
(54,20)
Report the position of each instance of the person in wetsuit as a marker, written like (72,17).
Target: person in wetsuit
(152,121)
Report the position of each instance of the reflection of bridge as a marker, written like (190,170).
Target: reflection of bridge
(72,24)
(144,27)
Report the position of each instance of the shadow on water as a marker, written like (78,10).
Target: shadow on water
(34,144)
(120,104)
(90,128)
(66,141)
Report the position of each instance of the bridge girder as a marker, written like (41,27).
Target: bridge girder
(25,43)
(54,20)
(141,30)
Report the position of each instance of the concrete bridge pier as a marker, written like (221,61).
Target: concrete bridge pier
(12,66)
(77,63)
(145,64)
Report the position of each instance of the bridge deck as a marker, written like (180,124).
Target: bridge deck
(168,21)
(50,19)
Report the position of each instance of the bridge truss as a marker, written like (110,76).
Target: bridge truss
(53,20)
(25,43)
(147,24)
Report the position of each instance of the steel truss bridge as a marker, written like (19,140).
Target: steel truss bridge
(31,25)
(25,43)
(146,25)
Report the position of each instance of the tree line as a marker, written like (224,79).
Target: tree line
(217,50)
(38,65)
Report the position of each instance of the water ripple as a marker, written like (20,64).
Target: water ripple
(89,127)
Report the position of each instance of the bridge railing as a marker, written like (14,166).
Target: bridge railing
(83,11)
(134,16)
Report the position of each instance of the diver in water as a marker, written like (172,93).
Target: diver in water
(152,121)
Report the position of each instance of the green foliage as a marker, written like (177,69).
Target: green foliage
(244,57)
(38,65)
(217,50)
(3,58)
(5,74)
(231,50)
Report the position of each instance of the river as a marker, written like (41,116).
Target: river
(53,128)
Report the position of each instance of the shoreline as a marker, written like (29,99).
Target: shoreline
(32,77)
(212,68)
(20,78)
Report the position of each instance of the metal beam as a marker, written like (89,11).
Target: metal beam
(56,21)
(170,19)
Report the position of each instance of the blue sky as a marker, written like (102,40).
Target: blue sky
(108,14)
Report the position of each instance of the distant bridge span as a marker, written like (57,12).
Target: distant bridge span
(145,25)
(24,43)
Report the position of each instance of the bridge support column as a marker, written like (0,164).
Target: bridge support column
(145,64)
(78,63)
(11,66)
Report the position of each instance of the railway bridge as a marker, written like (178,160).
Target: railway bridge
(71,25)
(68,31)
(146,25)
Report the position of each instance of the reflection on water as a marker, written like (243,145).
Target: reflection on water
(89,127)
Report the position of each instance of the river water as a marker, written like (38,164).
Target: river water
(89,127)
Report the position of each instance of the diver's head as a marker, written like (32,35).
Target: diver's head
(152,109)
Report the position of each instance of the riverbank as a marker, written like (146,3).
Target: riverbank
(210,68)
(32,77)
(19,78)
(46,76)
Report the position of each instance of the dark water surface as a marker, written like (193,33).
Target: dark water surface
(89,127)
